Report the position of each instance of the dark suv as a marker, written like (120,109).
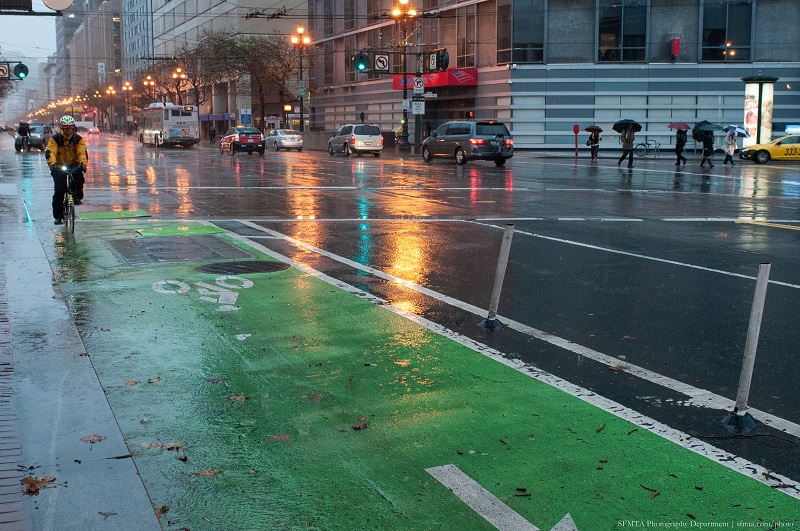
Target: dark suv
(470,140)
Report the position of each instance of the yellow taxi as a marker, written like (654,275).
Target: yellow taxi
(785,148)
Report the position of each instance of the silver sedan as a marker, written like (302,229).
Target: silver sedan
(285,139)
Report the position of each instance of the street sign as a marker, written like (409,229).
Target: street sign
(430,95)
(405,105)
(419,85)
(432,62)
(3,70)
(381,62)
(418,107)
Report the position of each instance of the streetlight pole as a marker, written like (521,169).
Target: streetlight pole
(301,41)
(126,89)
(404,12)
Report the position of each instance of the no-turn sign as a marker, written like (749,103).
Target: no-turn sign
(419,85)
(382,62)
(3,70)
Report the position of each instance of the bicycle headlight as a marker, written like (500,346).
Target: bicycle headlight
(64,168)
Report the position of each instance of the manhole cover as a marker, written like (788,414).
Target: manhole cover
(238,268)
(172,249)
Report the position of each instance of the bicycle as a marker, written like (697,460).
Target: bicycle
(69,201)
(647,148)
(24,144)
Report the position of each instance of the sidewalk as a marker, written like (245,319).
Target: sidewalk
(51,399)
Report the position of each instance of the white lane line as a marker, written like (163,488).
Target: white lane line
(637,255)
(728,460)
(697,397)
(480,500)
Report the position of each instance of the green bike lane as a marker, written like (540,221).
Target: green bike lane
(285,400)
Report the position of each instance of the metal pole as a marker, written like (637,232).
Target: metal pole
(499,274)
(301,88)
(753,330)
(405,147)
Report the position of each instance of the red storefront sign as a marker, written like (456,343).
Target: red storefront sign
(452,77)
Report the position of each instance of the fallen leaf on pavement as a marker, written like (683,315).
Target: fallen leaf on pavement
(161,511)
(93,438)
(131,382)
(238,399)
(154,380)
(154,444)
(215,380)
(105,330)
(616,368)
(316,398)
(34,485)
(209,472)
(175,447)
(279,437)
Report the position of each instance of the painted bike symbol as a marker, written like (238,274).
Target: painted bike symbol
(221,294)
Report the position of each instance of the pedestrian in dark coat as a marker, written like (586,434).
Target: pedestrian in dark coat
(594,143)
(212,134)
(680,142)
(708,149)
(626,137)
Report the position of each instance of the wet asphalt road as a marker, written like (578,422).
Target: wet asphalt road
(652,267)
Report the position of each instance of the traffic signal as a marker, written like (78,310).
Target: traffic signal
(442,59)
(360,61)
(21,71)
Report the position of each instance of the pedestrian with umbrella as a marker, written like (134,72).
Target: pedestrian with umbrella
(704,132)
(626,129)
(594,139)
(708,148)
(730,148)
(680,140)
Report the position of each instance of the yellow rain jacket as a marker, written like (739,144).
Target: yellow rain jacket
(66,151)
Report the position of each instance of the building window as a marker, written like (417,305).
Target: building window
(328,47)
(349,15)
(372,9)
(622,30)
(465,43)
(328,12)
(727,30)
(350,51)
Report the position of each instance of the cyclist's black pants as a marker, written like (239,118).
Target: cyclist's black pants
(60,188)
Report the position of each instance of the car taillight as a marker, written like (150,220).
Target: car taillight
(509,142)
(476,141)
(381,139)
(353,139)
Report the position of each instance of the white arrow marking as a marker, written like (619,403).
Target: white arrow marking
(487,504)
(480,500)
(566,524)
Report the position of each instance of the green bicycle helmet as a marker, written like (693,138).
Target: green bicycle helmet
(67,121)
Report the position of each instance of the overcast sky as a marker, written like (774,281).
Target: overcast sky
(34,37)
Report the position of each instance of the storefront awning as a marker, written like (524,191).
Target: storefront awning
(452,77)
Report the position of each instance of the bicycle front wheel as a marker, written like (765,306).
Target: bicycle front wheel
(640,150)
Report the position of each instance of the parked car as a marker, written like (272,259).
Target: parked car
(285,139)
(785,148)
(242,138)
(356,139)
(466,140)
(40,136)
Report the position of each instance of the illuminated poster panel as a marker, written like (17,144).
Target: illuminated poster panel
(759,95)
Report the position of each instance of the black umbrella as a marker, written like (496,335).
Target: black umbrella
(622,125)
(699,130)
(594,129)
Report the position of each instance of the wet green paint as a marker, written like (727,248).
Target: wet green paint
(179,230)
(122,214)
(322,411)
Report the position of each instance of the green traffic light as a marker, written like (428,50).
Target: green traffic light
(21,71)
(360,61)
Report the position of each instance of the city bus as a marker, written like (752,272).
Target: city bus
(163,124)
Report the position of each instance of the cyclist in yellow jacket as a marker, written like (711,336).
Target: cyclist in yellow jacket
(66,148)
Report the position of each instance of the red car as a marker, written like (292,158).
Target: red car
(242,138)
